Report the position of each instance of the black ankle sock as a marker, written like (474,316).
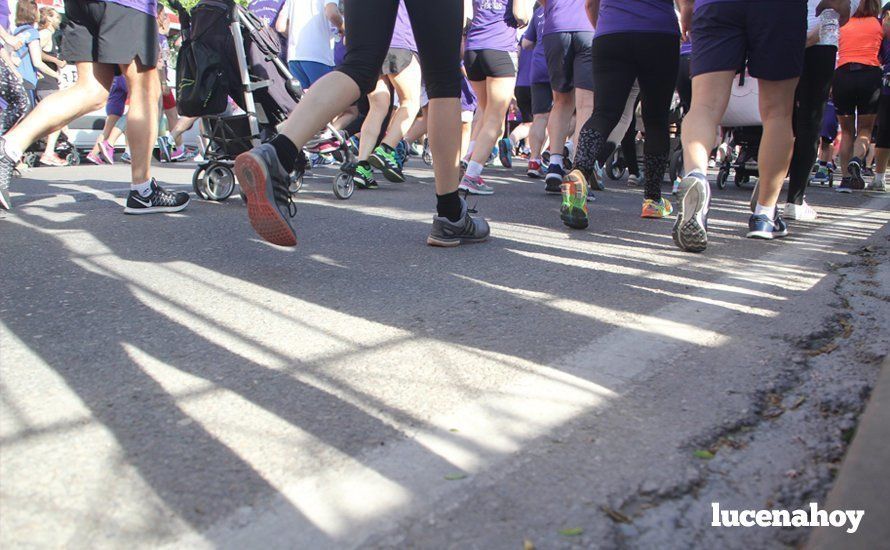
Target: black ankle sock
(287,152)
(449,206)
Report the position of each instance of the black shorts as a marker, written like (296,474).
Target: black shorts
(104,32)
(397,60)
(882,124)
(569,60)
(542,98)
(523,96)
(856,89)
(771,36)
(482,64)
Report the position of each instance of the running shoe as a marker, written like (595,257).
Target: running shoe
(855,170)
(107,151)
(266,184)
(53,160)
(535,170)
(799,212)
(414,150)
(553,179)
(599,176)
(323,146)
(867,172)
(467,230)
(95,159)
(364,176)
(878,184)
(505,152)
(633,179)
(690,231)
(159,201)
(492,156)
(125,156)
(573,211)
(7,167)
(178,154)
(850,184)
(384,159)
(761,227)
(475,185)
(401,151)
(316,159)
(822,176)
(656,209)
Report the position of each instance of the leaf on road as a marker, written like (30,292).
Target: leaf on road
(455,477)
(616,515)
(703,454)
(571,532)
(798,402)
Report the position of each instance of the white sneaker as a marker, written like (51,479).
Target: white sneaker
(800,212)
(878,184)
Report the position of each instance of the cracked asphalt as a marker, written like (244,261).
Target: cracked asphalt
(173,381)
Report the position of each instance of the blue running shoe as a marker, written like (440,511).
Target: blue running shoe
(761,227)
(505,152)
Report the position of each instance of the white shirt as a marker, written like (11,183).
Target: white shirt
(309,33)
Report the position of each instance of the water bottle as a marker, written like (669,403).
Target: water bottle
(829,27)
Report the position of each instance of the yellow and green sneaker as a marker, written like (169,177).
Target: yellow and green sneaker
(573,211)
(656,209)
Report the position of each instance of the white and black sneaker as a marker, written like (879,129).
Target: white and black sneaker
(159,201)
(7,167)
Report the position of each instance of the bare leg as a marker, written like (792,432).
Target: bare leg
(418,129)
(583,110)
(327,98)
(183,125)
(520,133)
(379,101)
(499,93)
(142,118)
(407,87)
(560,118)
(710,94)
(445,135)
(537,135)
(776,146)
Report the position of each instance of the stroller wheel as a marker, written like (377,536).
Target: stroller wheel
(73,158)
(427,157)
(31,159)
(219,182)
(617,167)
(296,182)
(722,176)
(198,181)
(344,186)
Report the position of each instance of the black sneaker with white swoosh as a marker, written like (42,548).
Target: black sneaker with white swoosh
(160,201)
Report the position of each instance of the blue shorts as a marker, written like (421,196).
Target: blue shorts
(117,97)
(308,72)
(769,35)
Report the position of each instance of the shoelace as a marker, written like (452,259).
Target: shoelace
(283,196)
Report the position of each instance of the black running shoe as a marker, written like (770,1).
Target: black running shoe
(7,167)
(553,179)
(158,202)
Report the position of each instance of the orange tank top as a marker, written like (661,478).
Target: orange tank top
(860,41)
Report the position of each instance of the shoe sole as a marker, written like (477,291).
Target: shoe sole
(390,174)
(856,173)
(533,175)
(844,190)
(451,243)
(554,185)
(762,235)
(156,209)
(264,216)
(689,234)
(504,155)
(572,219)
(105,157)
(5,200)
(474,191)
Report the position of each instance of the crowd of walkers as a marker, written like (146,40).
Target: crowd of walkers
(563,84)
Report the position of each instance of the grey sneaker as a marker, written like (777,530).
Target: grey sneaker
(691,229)
(7,166)
(467,230)
(266,185)
(878,185)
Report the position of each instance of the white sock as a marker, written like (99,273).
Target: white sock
(768,211)
(470,146)
(556,159)
(144,188)
(474,169)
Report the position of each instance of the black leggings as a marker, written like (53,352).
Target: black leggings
(16,97)
(809,107)
(618,60)
(437,28)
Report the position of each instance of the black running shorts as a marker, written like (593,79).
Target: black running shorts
(104,32)
(569,60)
(482,64)
(523,95)
(542,98)
(856,89)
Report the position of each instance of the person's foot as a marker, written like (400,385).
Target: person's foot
(690,231)
(159,201)
(800,212)
(505,152)
(475,185)
(761,227)
(878,184)
(107,152)
(385,160)
(178,154)
(52,159)
(7,167)
(822,176)
(317,159)
(95,159)
(414,150)
(364,176)
(633,179)
(553,179)
(265,183)
(573,211)
(165,146)
(323,146)
(535,170)
(467,230)
(855,170)
(656,209)
(867,172)
(850,184)
(125,156)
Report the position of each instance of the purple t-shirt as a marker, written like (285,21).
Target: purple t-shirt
(145,6)
(467,96)
(488,30)
(700,3)
(403,35)
(534,33)
(524,72)
(566,16)
(4,14)
(637,16)
(266,10)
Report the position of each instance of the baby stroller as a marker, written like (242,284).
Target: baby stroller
(259,83)
(745,129)
(64,148)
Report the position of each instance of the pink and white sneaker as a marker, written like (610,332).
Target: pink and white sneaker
(95,159)
(475,185)
(107,151)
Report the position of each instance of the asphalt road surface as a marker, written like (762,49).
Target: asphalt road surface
(172,380)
